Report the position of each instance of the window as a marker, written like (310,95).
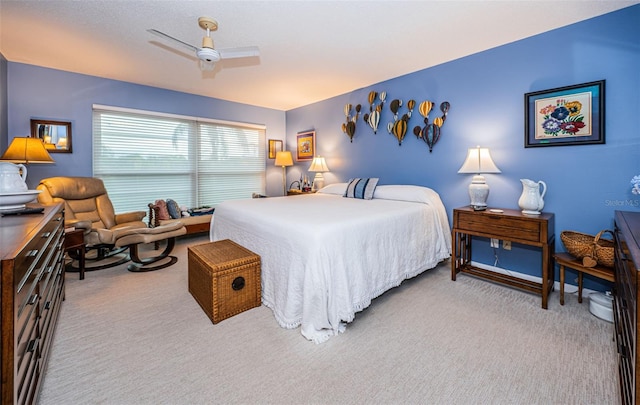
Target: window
(144,156)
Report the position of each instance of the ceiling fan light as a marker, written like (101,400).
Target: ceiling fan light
(208,55)
(206,66)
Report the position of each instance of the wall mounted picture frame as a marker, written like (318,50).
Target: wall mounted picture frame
(56,135)
(275,146)
(305,145)
(571,115)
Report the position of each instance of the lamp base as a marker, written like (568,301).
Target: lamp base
(318,181)
(478,193)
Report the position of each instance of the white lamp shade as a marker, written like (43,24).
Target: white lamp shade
(318,165)
(479,161)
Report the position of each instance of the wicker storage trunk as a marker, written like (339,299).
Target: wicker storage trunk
(224,278)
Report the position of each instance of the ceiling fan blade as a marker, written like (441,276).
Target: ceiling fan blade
(242,52)
(170,38)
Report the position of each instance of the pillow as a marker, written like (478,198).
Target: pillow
(337,188)
(406,193)
(162,212)
(361,188)
(174,209)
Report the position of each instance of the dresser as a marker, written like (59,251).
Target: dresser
(625,302)
(32,290)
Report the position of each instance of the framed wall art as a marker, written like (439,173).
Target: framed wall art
(572,115)
(275,146)
(56,135)
(305,145)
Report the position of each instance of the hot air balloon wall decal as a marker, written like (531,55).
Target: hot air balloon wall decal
(349,127)
(430,133)
(398,127)
(372,118)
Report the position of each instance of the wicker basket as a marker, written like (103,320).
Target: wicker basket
(591,249)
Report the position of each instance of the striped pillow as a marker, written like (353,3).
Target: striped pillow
(361,188)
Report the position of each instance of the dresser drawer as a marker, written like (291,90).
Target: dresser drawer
(501,226)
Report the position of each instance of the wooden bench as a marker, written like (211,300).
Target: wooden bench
(565,259)
(193,224)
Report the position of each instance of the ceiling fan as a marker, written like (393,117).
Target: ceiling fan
(207,54)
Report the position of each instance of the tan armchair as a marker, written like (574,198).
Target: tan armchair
(88,207)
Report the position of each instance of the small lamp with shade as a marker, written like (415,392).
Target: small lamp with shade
(13,172)
(478,161)
(318,165)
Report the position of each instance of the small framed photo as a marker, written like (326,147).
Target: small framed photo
(572,115)
(306,145)
(275,146)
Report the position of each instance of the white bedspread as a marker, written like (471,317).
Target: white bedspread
(325,257)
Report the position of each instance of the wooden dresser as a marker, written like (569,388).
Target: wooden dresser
(625,303)
(32,288)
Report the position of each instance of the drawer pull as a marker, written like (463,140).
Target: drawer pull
(47,305)
(32,253)
(33,299)
(46,234)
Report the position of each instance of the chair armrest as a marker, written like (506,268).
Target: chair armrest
(130,217)
(85,225)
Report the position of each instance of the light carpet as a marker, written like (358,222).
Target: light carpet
(140,338)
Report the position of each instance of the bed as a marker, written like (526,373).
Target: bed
(325,257)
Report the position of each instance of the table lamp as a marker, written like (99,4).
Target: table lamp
(284,159)
(21,152)
(478,161)
(319,166)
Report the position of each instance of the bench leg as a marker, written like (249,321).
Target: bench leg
(562,284)
(579,286)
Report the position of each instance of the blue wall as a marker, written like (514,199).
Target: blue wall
(36,92)
(486,90)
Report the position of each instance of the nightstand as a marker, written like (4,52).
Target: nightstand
(511,225)
(298,192)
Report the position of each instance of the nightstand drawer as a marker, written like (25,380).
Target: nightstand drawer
(500,226)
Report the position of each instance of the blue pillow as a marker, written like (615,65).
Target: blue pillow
(174,209)
(361,188)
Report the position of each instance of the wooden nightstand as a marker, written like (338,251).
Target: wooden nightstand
(511,225)
(298,192)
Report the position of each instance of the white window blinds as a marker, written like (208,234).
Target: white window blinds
(144,156)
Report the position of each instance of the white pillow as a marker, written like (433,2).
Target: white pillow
(404,192)
(336,188)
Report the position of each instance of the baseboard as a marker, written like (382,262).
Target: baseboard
(568,288)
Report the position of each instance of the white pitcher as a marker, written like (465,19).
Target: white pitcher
(531,201)
(12,178)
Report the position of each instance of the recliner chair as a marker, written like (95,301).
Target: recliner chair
(88,207)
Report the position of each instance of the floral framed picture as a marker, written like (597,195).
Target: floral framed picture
(275,145)
(572,115)
(305,145)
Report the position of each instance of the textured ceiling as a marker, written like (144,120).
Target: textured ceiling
(309,50)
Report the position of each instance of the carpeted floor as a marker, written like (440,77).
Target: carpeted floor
(140,338)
